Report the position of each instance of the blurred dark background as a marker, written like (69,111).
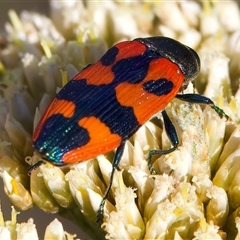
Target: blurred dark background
(40,6)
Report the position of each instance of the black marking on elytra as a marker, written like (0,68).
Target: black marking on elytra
(59,135)
(99,101)
(158,87)
(133,69)
(109,57)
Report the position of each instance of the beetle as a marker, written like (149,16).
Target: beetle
(100,108)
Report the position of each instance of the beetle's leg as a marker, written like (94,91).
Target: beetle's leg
(172,135)
(116,160)
(34,167)
(196,98)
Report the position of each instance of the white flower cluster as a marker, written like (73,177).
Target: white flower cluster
(196,192)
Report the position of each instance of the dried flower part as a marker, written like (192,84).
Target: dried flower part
(40,194)
(17,194)
(85,186)
(55,231)
(217,208)
(196,192)
(126,222)
(54,180)
(214,130)
(207,231)
(27,230)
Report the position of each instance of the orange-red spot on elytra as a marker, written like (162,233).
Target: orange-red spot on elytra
(146,104)
(101,141)
(96,74)
(129,49)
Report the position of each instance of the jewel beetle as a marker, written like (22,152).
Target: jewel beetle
(107,102)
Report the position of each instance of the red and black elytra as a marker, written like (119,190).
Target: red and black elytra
(107,102)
